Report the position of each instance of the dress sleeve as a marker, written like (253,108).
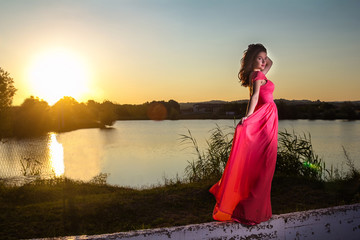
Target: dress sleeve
(259,76)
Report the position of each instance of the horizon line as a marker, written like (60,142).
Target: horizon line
(213,100)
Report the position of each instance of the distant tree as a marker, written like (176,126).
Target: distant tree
(157,110)
(347,109)
(174,104)
(64,114)
(7,89)
(327,110)
(173,109)
(94,109)
(7,92)
(312,111)
(32,118)
(108,113)
(282,109)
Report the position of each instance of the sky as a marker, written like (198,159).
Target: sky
(134,51)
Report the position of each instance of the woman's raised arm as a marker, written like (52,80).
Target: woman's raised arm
(267,66)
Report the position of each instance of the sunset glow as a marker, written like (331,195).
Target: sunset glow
(131,52)
(57,73)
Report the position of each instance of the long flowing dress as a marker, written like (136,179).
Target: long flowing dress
(243,192)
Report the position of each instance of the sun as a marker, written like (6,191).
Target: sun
(57,73)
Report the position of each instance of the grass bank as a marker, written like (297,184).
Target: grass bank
(60,207)
(63,207)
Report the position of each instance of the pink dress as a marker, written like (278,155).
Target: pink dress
(243,192)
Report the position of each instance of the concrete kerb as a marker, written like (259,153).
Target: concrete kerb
(340,222)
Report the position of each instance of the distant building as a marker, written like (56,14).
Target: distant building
(207,107)
(230,113)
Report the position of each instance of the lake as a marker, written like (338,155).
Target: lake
(140,154)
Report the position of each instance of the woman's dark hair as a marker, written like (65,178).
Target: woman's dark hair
(247,62)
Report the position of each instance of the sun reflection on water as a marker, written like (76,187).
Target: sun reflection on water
(56,156)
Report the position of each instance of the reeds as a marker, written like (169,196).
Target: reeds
(295,157)
(210,163)
(336,174)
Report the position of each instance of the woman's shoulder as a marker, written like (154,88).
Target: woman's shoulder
(258,75)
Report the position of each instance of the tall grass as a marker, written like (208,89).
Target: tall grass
(210,163)
(295,157)
(354,172)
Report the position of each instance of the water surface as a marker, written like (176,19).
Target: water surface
(141,153)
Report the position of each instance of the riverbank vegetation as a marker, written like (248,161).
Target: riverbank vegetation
(62,207)
(295,156)
(36,117)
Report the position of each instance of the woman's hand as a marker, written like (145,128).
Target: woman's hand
(268,65)
(242,120)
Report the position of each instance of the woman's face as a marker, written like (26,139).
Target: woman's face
(260,61)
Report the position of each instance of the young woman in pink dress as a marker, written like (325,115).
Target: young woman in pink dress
(243,192)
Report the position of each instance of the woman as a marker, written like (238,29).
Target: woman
(243,192)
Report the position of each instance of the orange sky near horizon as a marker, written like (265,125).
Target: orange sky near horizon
(131,52)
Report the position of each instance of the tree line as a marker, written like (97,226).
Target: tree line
(36,117)
(318,110)
(295,110)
